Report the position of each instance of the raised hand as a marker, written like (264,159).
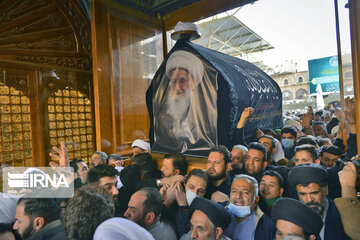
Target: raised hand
(341,129)
(180,194)
(306,120)
(119,163)
(163,190)
(245,115)
(347,178)
(350,114)
(350,110)
(247,112)
(170,196)
(61,156)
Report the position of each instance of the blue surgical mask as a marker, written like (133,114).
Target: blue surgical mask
(190,196)
(239,211)
(287,143)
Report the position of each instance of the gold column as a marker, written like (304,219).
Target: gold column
(354,6)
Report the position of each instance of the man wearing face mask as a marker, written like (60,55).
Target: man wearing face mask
(247,220)
(288,139)
(271,188)
(195,186)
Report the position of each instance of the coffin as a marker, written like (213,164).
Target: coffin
(196,98)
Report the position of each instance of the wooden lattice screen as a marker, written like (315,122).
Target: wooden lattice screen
(15,126)
(70,121)
(34,117)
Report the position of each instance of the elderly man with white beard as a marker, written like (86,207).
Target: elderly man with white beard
(183,79)
(180,95)
(184,117)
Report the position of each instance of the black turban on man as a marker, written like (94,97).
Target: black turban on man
(294,211)
(217,214)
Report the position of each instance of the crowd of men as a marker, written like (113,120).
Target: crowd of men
(298,182)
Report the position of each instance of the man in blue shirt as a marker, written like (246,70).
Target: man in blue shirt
(247,220)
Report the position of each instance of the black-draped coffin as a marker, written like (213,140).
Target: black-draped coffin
(228,85)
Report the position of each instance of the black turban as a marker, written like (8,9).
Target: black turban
(306,174)
(298,213)
(217,214)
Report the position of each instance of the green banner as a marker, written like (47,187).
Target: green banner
(324,71)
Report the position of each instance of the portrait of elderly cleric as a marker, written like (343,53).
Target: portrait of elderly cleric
(184,104)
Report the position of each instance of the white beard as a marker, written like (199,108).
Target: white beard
(178,105)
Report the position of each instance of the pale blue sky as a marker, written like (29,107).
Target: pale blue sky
(298,29)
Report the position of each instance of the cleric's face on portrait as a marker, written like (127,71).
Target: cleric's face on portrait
(180,96)
(179,81)
(184,71)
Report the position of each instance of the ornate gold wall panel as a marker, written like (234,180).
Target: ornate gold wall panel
(70,120)
(68,112)
(15,125)
(38,111)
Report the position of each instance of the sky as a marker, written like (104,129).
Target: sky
(298,29)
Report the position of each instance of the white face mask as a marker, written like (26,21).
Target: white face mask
(239,211)
(190,196)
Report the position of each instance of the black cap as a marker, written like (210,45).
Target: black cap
(306,174)
(217,214)
(298,213)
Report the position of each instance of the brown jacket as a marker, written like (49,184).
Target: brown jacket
(349,209)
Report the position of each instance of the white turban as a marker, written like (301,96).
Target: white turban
(188,61)
(141,144)
(121,229)
(186,26)
(7,207)
(334,131)
(33,170)
(295,124)
(279,152)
